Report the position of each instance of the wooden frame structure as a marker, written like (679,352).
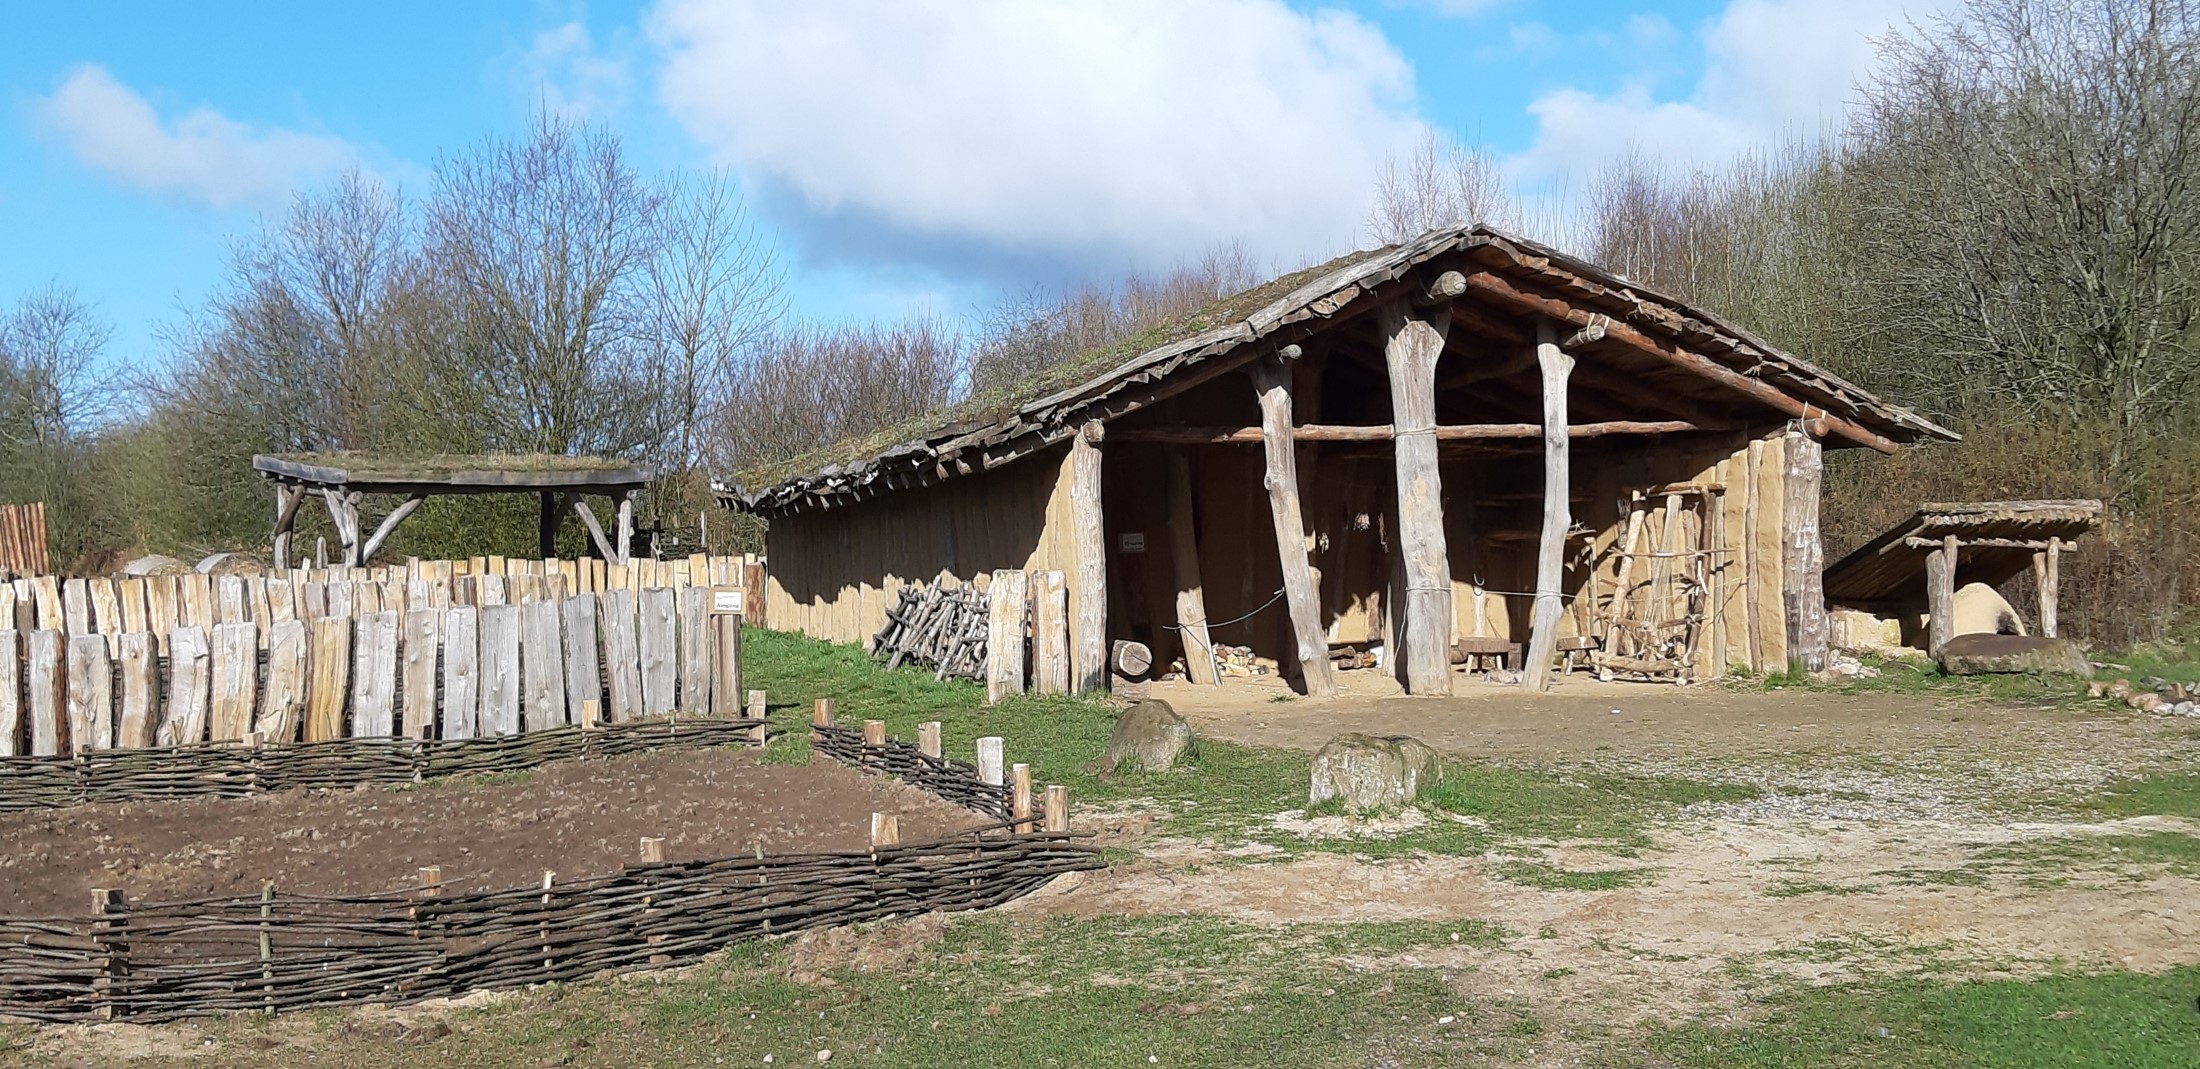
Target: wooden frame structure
(1395,398)
(343,480)
(1948,543)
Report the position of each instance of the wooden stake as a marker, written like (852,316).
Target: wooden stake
(113,948)
(991,752)
(928,738)
(1057,808)
(821,713)
(653,850)
(874,733)
(1020,806)
(1557,367)
(885,830)
(267,942)
(549,878)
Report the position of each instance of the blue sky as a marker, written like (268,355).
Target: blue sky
(911,156)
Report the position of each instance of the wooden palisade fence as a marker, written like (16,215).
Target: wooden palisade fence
(431,650)
(273,952)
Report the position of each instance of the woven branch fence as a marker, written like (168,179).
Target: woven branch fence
(166,961)
(28,783)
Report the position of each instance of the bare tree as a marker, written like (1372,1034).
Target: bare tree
(715,293)
(1442,183)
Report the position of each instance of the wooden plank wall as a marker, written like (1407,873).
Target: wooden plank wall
(312,657)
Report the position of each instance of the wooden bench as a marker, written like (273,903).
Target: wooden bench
(1575,645)
(1472,652)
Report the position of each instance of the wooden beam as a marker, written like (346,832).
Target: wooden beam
(2035,544)
(1412,342)
(1442,289)
(1191,595)
(595,532)
(343,514)
(1803,553)
(1089,581)
(1280,474)
(383,530)
(1463,432)
(1495,288)
(1556,366)
(1940,595)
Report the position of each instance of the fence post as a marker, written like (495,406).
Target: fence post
(758,711)
(112,948)
(267,942)
(885,830)
(1057,808)
(549,877)
(653,853)
(874,733)
(991,752)
(821,714)
(928,739)
(1020,805)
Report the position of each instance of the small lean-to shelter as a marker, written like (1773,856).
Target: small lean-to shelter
(1911,572)
(343,480)
(1462,443)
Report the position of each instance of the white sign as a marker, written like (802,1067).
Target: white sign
(1132,541)
(726,599)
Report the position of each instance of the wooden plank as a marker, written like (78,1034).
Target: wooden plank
(46,590)
(139,722)
(229,601)
(1413,341)
(422,640)
(91,696)
(236,665)
(725,683)
(374,675)
(331,689)
(1009,598)
(1280,475)
(14,742)
(500,667)
(262,605)
(184,714)
(161,609)
(342,599)
(491,588)
(1050,655)
(106,613)
(622,654)
(76,607)
(461,672)
(44,700)
(1556,367)
(1803,558)
(283,699)
(542,662)
(1191,596)
(654,631)
(582,653)
(130,593)
(1089,582)
(695,648)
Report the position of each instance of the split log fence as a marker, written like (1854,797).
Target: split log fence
(450,655)
(272,952)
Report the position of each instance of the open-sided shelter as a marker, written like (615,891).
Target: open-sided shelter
(1463,442)
(343,480)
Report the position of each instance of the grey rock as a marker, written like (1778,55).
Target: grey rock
(1149,737)
(1970,655)
(155,564)
(1373,771)
(232,564)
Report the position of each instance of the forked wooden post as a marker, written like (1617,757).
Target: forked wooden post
(992,750)
(928,739)
(1057,808)
(1020,804)
(821,714)
(1280,475)
(1556,366)
(885,830)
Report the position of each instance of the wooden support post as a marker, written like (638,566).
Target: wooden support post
(1050,652)
(821,713)
(603,545)
(725,683)
(549,880)
(1751,583)
(626,528)
(1088,590)
(267,942)
(1057,808)
(383,530)
(928,739)
(1940,595)
(287,498)
(1004,645)
(1557,368)
(343,514)
(1280,475)
(2047,577)
(546,523)
(992,751)
(1803,553)
(1020,796)
(1191,596)
(1412,342)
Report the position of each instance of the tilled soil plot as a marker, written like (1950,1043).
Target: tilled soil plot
(578,818)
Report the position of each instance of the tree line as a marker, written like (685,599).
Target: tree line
(2004,236)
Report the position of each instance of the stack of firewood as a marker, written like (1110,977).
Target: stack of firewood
(936,626)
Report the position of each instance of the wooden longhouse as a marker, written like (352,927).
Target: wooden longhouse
(1458,444)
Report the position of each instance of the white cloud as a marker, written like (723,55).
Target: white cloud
(571,76)
(1100,131)
(201,155)
(1772,69)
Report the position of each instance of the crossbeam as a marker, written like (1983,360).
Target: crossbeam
(1318,432)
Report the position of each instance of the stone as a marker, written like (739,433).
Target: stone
(1149,737)
(1373,771)
(232,564)
(1970,655)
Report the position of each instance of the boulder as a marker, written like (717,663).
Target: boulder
(1149,737)
(232,564)
(1970,655)
(154,564)
(1373,771)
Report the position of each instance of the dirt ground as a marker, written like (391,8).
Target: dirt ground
(1583,718)
(577,818)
